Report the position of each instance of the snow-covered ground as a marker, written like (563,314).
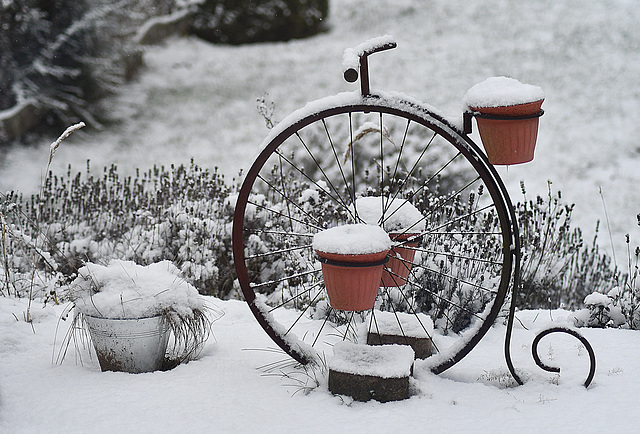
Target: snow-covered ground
(226,390)
(199,100)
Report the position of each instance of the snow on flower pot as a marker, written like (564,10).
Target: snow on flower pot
(129,345)
(507,113)
(352,258)
(130,310)
(403,222)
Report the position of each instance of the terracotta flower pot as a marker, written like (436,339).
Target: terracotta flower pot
(352,281)
(509,133)
(400,261)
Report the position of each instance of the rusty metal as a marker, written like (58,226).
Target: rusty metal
(539,336)
(507,118)
(352,264)
(506,213)
(351,75)
(574,333)
(419,115)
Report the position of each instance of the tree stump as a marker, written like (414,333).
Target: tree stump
(402,329)
(371,372)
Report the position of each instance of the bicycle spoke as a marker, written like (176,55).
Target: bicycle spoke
(346,330)
(337,199)
(284,279)
(272,232)
(297,296)
(466,282)
(381,160)
(289,201)
(399,159)
(278,252)
(303,312)
(278,213)
(353,166)
(453,255)
(428,231)
(337,160)
(324,323)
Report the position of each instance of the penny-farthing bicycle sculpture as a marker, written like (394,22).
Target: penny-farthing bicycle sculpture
(312,173)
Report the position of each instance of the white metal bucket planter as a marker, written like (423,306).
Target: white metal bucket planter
(129,345)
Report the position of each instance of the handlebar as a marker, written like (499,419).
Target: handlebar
(355,59)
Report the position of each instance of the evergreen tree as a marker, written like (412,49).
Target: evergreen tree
(246,21)
(24,30)
(64,55)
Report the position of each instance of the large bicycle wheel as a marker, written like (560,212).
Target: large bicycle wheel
(313,173)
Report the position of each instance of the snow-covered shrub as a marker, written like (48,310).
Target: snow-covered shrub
(182,215)
(620,307)
(558,267)
(63,56)
(247,21)
(450,287)
(599,311)
(125,290)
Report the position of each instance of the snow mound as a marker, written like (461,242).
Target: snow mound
(351,56)
(384,361)
(597,299)
(414,326)
(502,92)
(124,289)
(399,214)
(356,239)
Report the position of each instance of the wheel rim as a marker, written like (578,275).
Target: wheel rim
(306,179)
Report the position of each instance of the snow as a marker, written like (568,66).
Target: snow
(228,389)
(502,92)
(384,361)
(53,148)
(597,299)
(351,56)
(164,19)
(13,111)
(123,289)
(290,338)
(414,326)
(355,239)
(198,100)
(400,215)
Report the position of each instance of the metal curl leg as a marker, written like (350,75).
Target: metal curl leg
(582,339)
(536,341)
(515,251)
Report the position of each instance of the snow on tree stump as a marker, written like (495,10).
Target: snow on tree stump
(366,372)
(402,329)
